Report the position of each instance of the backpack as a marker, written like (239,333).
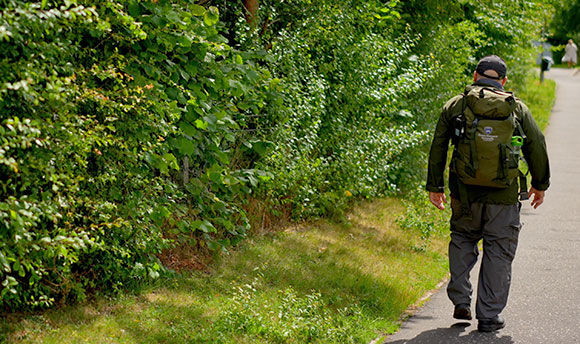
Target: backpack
(487,139)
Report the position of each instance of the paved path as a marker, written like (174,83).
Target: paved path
(544,303)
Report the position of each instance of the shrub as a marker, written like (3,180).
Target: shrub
(121,124)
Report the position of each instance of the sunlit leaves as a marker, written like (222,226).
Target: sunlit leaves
(120,123)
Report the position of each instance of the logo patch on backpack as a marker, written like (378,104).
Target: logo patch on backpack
(488,130)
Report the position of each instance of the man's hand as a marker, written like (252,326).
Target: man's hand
(438,198)
(538,197)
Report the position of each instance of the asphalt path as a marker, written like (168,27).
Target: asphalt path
(544,301)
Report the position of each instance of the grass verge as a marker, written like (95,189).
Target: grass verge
(539,97)
(318,283)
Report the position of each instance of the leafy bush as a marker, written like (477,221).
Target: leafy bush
(363,85)
(120,126)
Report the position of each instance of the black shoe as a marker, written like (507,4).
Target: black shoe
(490,325)
(462,311)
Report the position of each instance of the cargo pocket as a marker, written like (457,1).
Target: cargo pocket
(515,227)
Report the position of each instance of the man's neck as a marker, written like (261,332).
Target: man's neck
(489,82)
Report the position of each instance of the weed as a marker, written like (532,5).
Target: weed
(289,317)
(422,217)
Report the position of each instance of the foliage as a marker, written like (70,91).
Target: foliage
(422,217)
(564,24)
(129,126)
(363,83)
(120,126)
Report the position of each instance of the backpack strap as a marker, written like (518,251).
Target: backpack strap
(522,177)
(474,162)
(463,196)
(524,186)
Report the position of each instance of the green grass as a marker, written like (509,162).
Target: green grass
(539,97)
(315,283)
(562,65)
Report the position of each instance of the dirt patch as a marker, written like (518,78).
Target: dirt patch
(185,257)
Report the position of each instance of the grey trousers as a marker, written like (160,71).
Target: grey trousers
(499,226)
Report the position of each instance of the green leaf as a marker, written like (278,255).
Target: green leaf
(215,177)
(191,68)
(197,10)
(185,41)
(173,93)
(171,161)
(252,75)
(201,124)
(213,245)
(185,146)
(203,225)
(261,147)
(4,262)
(160,213)
(188,129)
(211,16)
(134,9)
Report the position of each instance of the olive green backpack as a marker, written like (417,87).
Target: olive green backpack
(488,139)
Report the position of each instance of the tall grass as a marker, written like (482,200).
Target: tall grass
(539,97)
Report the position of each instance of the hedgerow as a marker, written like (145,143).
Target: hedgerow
(120,122)
(363,85)
(131,126)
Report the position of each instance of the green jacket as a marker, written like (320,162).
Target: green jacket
(534,151)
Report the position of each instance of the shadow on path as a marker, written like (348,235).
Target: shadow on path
(456,335)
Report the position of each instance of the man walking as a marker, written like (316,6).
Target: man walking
(490,129)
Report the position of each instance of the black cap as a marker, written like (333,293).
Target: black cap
(492,62)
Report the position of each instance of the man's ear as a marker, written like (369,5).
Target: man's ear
(475,75)
(504,81)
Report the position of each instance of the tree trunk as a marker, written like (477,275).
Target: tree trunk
(251,7)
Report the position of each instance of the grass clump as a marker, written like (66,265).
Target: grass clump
(293,318)
(422,217)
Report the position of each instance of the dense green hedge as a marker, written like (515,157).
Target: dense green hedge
(131,126)
(364,81)
(102,107)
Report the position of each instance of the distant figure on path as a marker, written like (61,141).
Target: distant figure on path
(571,55)
(489,129)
